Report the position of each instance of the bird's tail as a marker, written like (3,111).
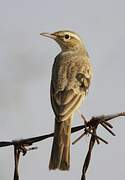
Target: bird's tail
(60,154)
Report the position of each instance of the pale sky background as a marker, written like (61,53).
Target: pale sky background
(25,71)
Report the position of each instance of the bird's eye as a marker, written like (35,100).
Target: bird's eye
(67,36)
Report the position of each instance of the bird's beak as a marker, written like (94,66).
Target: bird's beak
(52,36)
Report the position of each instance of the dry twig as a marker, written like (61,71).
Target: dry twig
(90,127)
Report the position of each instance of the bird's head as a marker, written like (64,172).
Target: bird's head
(67,40)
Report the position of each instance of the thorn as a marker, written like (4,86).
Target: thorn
(107,129)
(75,141)
(104,141)
(32,148)
(108,124)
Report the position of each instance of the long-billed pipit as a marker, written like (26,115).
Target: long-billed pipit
(71,75)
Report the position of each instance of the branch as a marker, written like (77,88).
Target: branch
(21,146)
(90,127)
(30,141)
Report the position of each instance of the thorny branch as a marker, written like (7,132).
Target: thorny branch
(90,127)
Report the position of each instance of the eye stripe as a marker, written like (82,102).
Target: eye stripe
(73,35)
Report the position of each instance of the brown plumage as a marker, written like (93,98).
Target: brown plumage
(71,75)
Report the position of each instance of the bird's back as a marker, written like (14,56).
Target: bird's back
(65,69)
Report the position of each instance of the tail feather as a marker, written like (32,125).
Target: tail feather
(60,155)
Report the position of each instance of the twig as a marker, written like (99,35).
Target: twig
(93,124)
(105,126)
(20,147)
(90,127)
(32,140)
(88,156)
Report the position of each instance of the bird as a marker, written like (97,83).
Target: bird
(70,81)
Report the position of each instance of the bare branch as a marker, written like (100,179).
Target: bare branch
(90,127)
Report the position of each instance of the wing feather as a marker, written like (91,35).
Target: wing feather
(64,110)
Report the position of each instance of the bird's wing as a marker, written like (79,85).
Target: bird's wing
(66,101)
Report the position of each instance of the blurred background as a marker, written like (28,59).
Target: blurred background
(25,71)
